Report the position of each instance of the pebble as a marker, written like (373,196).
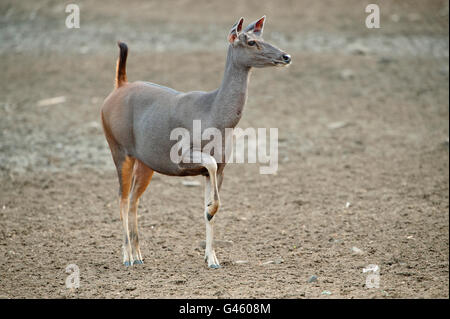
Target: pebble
(52,101)
(191,183)
(84,49)
(93,124)
(313,278)
(347,74)
(358,49)
(275,261)
(336,125)
(357,251)
(326,292)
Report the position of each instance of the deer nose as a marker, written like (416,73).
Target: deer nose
(286,58)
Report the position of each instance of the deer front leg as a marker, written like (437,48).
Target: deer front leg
(196,159)
(210,254)
(212,201)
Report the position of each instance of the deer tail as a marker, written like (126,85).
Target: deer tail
(121,73)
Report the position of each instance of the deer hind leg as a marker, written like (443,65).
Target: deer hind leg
(125,172)
(124,165)
(141,178)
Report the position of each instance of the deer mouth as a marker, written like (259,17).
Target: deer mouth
(280,62)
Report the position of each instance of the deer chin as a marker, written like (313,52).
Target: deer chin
(280,63)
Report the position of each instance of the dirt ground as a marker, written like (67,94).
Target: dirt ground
(363,119)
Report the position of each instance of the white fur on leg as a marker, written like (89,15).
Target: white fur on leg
(210,164)
(212,201)
(210,254)
(127,255)
(133,231)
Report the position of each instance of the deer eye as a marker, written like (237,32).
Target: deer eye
(251,43)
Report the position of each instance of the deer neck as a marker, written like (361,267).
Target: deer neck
(232,93)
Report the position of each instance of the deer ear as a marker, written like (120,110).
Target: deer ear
(239,25)
(257,26)
(235,30)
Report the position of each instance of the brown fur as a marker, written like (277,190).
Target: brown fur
(126,172)
(121,73)
(142,175)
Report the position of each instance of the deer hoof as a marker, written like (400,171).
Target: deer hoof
(214,266)
(138,262)
(127,263)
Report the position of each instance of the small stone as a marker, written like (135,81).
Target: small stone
(385,293)
(278,261)
(371,268)
(337,125)
(84,49)
(347,74)
(275,261)
(312,279)
(93,124)
(357,251)
(326,292)
(191,183)
(52,101)
(358,49)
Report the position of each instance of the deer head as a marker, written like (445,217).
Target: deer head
(250,49)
